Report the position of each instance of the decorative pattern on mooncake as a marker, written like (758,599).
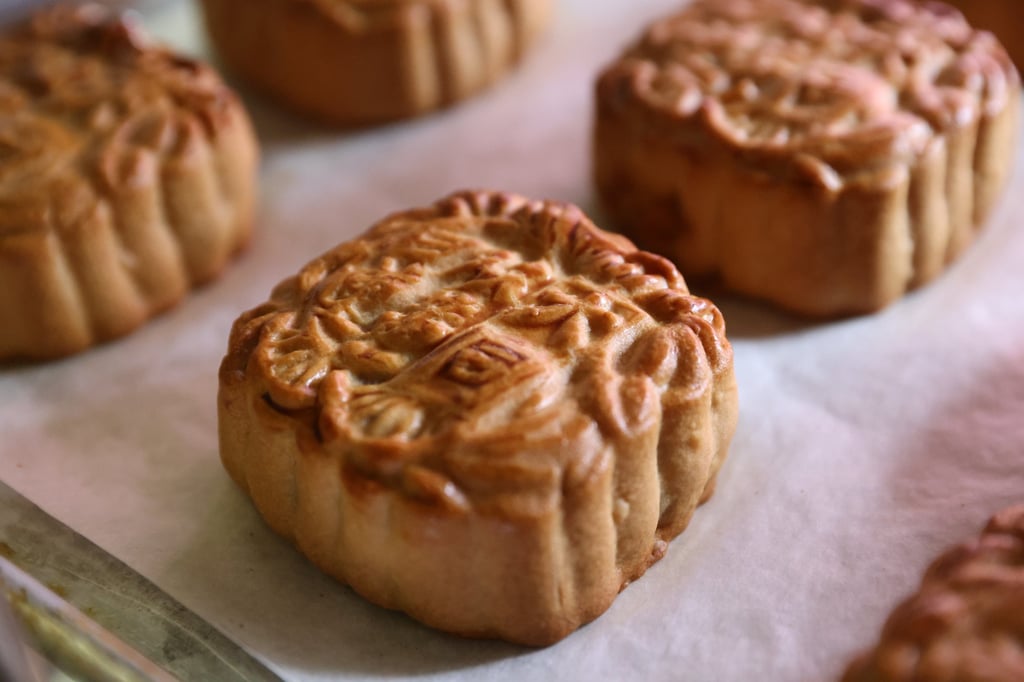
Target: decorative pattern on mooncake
(351,62)
(487,413)
(967,621)
(127,176)
(824,156)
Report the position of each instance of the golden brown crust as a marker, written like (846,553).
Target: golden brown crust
(487,413)
(967,621)
(354,62)
(1005,18)
(127,175)
(825,156)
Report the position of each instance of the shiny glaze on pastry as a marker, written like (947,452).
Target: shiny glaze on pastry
(488,413)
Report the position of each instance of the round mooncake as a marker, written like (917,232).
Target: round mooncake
(823,156)
(127,176)
(354,62)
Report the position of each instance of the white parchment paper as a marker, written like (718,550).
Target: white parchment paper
(864,447)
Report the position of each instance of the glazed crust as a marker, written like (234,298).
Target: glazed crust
(488,413)
(127,176)
(352,62)
(824,156)
(967,621)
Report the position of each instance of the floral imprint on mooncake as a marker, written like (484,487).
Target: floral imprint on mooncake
(487,401)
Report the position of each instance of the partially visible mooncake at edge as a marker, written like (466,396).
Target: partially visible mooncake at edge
(824,156)
(487,413)
(966,623)
(127,176)
(355,62)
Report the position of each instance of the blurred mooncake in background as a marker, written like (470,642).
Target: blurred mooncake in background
(826,157)
(127,176)
(354,62)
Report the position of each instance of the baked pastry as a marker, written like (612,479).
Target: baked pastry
(488,413)
(369,61)
(1005,18)
(823,156)
(127,176)
(966,623)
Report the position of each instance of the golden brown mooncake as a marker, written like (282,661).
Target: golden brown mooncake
(966,624)
(127,176)
(487,413)
(824,156)
(352,62)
